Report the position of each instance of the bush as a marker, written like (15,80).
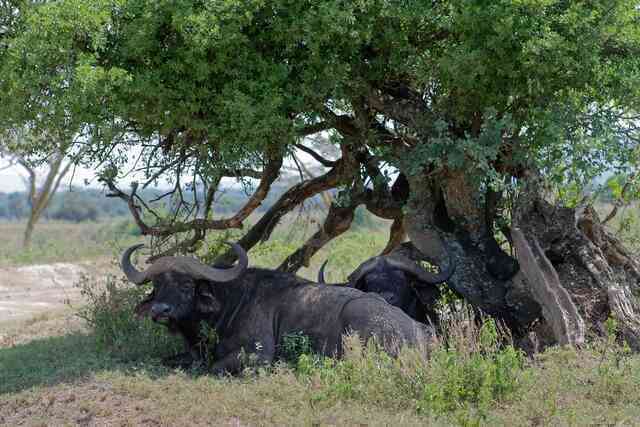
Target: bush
(110,314)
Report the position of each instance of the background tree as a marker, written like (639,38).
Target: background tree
(42,180)
(481,109)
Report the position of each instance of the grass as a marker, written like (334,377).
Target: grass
(57,371)
(56,241)
(67,380)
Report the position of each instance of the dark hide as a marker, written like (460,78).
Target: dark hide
(397,288)
(253,314)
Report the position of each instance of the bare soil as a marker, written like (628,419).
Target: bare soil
(29,291)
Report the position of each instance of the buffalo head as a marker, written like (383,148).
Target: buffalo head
(394,277)
(181,286)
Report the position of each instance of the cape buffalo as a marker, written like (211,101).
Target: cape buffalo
(252,310)
(400,281)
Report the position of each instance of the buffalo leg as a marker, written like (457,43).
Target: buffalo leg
(234,360)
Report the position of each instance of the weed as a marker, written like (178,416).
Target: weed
(294,345)
(447,381)
(110,314)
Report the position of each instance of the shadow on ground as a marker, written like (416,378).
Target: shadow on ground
(67,358)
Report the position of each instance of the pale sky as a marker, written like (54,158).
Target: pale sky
(12,179)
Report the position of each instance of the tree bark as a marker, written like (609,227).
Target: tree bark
(39,198)
(572,272)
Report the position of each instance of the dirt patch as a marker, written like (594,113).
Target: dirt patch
(26,292)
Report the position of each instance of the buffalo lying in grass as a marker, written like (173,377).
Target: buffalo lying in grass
(400,281)
(253,310)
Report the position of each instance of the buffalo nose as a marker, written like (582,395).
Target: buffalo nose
(160,309)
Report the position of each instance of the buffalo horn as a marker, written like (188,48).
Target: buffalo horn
(186,265)
(134,276)
(321,272)
(409,266)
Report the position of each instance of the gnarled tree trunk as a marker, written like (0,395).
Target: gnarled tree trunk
(569,273)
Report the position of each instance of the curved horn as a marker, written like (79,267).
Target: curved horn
(197,269)
(409,266)
(321,272)
(134,276)
(228,274)
(184,264)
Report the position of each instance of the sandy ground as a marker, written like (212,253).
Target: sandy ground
(29,291)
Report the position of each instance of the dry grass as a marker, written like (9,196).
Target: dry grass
(70,384)
(49,324)
(55,241)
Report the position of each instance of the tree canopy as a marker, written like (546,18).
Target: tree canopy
(226,81)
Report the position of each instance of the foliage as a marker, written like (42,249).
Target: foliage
(294,346)
(110,314)
(222,83)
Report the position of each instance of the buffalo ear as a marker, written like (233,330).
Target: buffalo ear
(143,309)
(206,302)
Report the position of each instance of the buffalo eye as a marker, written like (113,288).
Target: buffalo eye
(205,300)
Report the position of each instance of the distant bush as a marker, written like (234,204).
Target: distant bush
(126,227)
(74,209)
(110,314)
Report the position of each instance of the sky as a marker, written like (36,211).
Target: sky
(12,179)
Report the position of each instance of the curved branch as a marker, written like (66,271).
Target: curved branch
(620,202)
(316,156)
(262,230)
(397,234)
(338,220)
(269,175)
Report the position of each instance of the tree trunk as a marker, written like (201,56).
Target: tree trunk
(39,198)
(28,232)
(568,276)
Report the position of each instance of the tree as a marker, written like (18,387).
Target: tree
(40,189)
(481,108)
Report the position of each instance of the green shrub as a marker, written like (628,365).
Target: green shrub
(294,346)
(445,381)
(110,314)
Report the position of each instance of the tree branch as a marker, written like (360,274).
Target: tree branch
(270,174)
(316,156)
(338,220)
(262,230)
(397,234)
(620,202)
